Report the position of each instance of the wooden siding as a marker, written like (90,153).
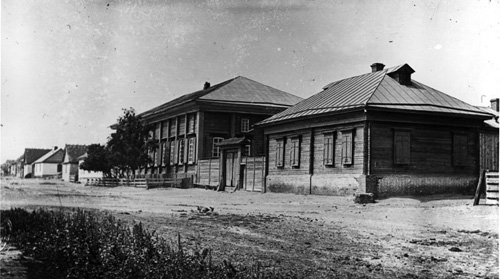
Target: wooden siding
(287,169)
(431,149)
(488,151)
(338,167)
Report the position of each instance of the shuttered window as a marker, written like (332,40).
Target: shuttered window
(173,158)
(329,149)
(165,156)
(347,147)
(280,153)
(402,147)
(295,152)
(459,149)
(191,123)
(191,150)
(164,129)
(173,127)
(180,155)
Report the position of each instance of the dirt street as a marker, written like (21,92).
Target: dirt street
(319,236)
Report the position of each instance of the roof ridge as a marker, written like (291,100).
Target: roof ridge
(376,87)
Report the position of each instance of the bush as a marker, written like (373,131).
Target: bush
(86,244)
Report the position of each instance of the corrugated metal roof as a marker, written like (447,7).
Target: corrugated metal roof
(239,89)
(377,89)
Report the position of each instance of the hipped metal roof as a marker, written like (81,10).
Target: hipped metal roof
(377,90)
(239,90)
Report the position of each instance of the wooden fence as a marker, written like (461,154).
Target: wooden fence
(253,173)
(142,182)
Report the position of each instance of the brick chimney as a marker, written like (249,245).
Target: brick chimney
(55,147)
(377,67)
(206,85)
(494,104)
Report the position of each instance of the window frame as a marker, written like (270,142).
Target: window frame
(216,150)
(191,150)
(295,143)
(181,149)
(172,149)
(329,140)
(402,147)
(280,153)
(245,125)
(347,152)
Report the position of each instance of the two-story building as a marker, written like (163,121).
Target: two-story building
(193,127)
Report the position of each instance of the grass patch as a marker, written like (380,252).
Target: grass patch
(90,244)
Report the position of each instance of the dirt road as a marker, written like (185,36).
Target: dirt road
(318,236)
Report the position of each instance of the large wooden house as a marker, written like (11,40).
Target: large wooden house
(380,132)
(195,126)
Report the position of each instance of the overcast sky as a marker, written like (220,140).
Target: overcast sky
(69,67)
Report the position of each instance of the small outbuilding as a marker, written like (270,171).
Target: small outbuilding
(381,132)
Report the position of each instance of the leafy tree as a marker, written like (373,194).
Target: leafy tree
(6,165)
(97,159)
(128,146)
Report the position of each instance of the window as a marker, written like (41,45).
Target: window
(165,155)
(247,150)
(329,149)
(158,152)
(215,148)
(459,149)
(191,123)
(295,152)
(164,129)
(181,123)
(245,125)
(173,127)
(173,158)
(401,147)
(157,130)
(280,153)
(181,151)
(347,147)
(191,150)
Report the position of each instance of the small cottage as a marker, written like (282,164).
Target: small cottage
(70,161)
(382,132)
(29,157)
(49,164)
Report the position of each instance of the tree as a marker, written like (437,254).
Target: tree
(128,147)
(97,159)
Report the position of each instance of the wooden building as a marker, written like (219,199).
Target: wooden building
(70,162)
(30,155)
(49,164)
(191,128)
(380,132)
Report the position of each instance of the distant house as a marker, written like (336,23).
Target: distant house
(29,157)
(380,132)
(70,161)
(49,164)
(85,176)
(192,127)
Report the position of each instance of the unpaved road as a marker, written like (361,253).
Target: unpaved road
(318,236)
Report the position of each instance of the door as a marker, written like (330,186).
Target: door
(232,169)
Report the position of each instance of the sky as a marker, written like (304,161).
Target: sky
(69,67)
